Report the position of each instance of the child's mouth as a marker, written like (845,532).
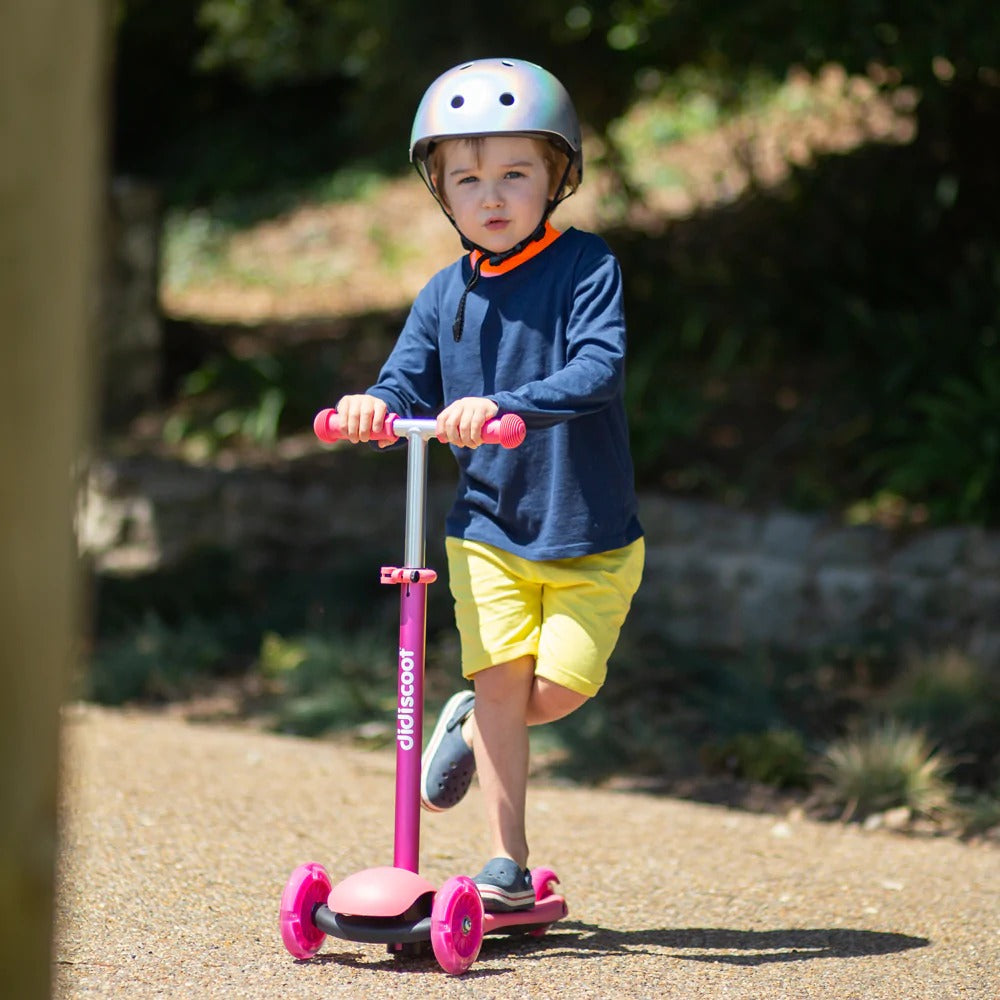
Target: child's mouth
(494,224)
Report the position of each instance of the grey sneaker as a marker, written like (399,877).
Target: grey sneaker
(448,764)
(504,887)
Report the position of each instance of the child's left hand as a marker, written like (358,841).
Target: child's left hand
(461,422)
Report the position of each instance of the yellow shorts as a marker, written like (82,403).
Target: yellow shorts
(566,613)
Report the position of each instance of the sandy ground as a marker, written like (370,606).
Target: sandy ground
(178,839)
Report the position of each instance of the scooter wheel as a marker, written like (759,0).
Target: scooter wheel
(542,879)
(457,924)
(306,887)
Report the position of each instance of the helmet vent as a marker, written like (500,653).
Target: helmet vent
(457,101)
(507,99)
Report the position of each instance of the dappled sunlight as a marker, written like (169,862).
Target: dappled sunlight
(342,258)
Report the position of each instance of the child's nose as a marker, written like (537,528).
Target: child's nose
(491,194)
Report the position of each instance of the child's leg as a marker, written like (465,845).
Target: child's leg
(509,698)
(550,701)
(500,742)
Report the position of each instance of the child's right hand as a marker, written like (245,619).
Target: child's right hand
(359,416)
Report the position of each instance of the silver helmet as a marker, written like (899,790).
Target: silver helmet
(496,97)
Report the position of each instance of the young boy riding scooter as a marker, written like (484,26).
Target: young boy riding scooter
(545,550)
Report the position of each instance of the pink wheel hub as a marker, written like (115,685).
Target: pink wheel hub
(457,925)
(306,887)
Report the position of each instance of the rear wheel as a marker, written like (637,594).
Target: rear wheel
(543,880)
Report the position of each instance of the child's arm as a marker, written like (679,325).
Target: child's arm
(593,373)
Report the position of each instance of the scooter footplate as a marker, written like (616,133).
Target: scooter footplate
(543,913)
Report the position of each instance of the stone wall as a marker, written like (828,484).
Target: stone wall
(716,577)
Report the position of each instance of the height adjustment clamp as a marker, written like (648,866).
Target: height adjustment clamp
(395,574)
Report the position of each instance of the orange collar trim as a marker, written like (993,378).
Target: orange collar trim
(488,270)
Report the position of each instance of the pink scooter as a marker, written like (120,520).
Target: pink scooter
(394,905)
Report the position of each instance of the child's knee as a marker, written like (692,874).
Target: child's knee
(551,701)
(505,682)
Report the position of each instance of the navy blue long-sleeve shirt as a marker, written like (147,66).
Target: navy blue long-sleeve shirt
(545,340)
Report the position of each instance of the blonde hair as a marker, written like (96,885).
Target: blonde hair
(554,158)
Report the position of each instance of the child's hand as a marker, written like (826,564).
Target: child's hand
(461,422)
(359,416)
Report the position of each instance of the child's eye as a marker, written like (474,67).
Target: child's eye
(514,173)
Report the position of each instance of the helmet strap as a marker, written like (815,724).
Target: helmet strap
(458,326)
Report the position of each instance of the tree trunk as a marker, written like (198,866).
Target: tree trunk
(52,135)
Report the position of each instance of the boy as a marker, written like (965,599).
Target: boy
(544,546)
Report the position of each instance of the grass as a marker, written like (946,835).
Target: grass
(887,766)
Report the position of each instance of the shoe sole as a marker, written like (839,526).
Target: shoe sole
(437,737)
(497,900)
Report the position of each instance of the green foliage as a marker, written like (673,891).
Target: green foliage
(277,41)
(830,339)
(949,452)
(978,812)
(328,682)
(193,246)
(871,280)
(154,661)
(777,757)
(236,400)
(956,700)
(889,765)
(319,648)
(275,88)
(751,716)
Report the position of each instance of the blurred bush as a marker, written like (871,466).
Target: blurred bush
(955,699)
(828,339)
(887,766)
(777,757)
(154,661)
(323,682)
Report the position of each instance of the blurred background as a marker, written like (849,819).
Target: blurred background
(804,199)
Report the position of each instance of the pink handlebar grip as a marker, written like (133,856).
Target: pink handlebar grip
(321,426)
(326,429)
(507,431)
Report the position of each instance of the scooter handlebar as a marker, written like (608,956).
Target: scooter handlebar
(507,431)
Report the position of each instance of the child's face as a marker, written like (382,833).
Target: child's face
(496,188)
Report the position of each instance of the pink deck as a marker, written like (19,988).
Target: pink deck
(548,911)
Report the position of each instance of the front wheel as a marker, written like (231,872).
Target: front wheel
(307,886)
(457,925)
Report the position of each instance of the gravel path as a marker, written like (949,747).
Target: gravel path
(178,839)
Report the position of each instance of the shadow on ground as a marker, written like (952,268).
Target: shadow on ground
(722,945)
